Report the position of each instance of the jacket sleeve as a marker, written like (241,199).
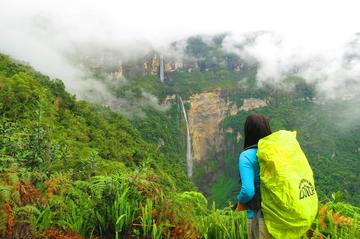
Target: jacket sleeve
(247,191)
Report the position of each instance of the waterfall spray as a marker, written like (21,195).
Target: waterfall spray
(188,141)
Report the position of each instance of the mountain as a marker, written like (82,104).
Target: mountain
(220,95)
(74,169)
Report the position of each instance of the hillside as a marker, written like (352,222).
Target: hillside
(63,158)
(72,169)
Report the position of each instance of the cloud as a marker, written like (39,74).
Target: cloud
(54,38)
(333,68)
(308,36)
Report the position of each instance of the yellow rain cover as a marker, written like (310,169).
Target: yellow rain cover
(289,200)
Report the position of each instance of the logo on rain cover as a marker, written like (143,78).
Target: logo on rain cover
(306,189)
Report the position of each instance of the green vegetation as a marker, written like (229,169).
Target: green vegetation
(188,83)
(164,129)
(207,66)
(71,169)
(209,54)
(223,186)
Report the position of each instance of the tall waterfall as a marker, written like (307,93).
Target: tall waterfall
(188,142)
(161,68)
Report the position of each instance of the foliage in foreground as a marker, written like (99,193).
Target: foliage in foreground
(131,204)
(122,205)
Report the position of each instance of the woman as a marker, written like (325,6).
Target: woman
(256,127)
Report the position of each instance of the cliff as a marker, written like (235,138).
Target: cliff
(207,112)
(150,65)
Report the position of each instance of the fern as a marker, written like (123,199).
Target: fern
(5,193)
(44,220)
(76,219)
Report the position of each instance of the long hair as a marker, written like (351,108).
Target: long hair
(256,127)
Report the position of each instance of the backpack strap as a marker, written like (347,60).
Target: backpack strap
(254,146)
(255,203)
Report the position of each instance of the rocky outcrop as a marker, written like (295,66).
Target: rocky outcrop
(207,112)
(253,103)
(150,65)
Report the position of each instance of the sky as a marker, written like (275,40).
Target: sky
(161,20)
(39,31)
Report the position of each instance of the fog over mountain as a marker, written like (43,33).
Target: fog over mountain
(313,41)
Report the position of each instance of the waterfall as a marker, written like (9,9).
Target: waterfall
(188,141)
(161,68)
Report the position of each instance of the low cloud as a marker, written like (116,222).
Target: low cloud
(56,36)
(333,68)
(38,35)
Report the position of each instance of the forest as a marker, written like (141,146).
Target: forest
(74,169)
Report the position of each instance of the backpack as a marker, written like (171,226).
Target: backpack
(289,201)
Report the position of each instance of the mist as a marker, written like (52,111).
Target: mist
(333,68)
(303,38)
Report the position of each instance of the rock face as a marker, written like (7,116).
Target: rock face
(207,112)
(150,65)
(253,103)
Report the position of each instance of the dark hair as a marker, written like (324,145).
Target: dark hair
(256,127)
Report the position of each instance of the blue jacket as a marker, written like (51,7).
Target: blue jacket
(249,173)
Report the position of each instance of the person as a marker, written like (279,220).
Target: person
(256,127)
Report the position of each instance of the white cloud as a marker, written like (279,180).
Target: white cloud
(306,32)
(328,66)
